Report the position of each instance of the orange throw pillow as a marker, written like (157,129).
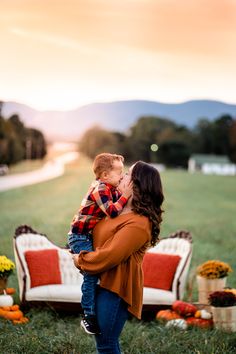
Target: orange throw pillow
(43,267)
(159,270)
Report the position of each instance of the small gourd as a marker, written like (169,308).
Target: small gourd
(203,314)
(10,291)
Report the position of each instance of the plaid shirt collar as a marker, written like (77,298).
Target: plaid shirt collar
(110,186)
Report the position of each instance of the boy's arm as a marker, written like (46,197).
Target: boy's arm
(103,198)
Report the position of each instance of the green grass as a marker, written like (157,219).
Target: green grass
(48,332)
(204,205)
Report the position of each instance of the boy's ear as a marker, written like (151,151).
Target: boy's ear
(104,174)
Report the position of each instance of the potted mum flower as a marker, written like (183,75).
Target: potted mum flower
(6,268)
(211,276)
(223,307)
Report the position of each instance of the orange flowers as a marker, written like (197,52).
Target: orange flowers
(214,269)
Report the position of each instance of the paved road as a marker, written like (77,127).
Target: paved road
(51,169)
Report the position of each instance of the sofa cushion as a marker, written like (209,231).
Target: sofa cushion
(153,296)
(43,267)
(55,292)
(159,270)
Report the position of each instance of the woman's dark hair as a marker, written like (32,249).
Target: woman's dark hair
(148,195)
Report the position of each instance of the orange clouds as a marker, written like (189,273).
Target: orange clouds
(157,49)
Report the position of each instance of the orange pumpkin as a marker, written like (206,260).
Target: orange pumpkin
(6,308)
(12,315)
(10,308)
(167,315)
(22,320)
(184,308)
(199,322)
(14,308)
(10,291)
(2,312)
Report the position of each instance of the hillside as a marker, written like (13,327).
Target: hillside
(117,116)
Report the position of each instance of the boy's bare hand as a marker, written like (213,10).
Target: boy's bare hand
(127,189)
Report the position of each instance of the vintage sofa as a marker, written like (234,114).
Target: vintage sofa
(66,294)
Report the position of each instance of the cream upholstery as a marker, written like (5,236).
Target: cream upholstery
(158,297)
(71,277)
(70,289)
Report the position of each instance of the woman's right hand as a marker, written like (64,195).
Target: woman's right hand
(75,258)
(126,186)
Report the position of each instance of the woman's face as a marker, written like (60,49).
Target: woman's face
(126,178)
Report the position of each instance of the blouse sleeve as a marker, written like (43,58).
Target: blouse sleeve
(115,250)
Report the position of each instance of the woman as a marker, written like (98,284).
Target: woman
(120,244)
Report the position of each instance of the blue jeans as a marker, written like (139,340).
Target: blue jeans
(79,243)
(112,314)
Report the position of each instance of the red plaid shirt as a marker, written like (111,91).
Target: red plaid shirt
(102,199)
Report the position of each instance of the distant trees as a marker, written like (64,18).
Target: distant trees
(174,153)
(97,140)
(232,141)
(217,137)
(18,142)
(174,143)
(145,132)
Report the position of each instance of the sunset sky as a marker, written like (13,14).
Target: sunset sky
(63,54)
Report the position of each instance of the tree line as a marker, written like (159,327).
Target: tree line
(159,140)
(18,142)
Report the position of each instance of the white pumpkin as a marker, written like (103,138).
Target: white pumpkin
(6,300)
(205,314)
(179,323)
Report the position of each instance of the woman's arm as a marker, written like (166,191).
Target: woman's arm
(117,249)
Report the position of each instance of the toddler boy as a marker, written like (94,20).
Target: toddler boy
(102,199)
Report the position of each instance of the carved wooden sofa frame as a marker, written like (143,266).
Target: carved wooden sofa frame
(67,295)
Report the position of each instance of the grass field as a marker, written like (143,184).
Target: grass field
(204,205)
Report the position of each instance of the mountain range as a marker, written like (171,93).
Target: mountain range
(115,116)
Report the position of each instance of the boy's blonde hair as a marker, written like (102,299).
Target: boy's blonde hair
(104,162)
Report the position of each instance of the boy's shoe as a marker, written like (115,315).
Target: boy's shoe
(90,325)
